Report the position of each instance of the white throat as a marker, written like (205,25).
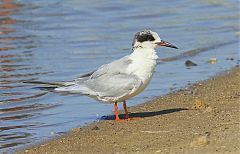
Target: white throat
(144,54)
(143,63)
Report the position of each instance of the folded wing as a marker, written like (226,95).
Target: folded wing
(110,81)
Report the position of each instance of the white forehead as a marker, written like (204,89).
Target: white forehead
(155,35)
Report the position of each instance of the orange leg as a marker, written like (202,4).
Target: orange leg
(116,112)
(125,109)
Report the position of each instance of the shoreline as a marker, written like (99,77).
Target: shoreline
(201,118)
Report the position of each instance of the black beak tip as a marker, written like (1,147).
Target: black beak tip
(167,44)
(175,47)
(172,46)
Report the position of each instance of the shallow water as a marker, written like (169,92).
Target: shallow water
(58,40)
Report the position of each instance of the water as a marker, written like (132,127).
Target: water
(58,40)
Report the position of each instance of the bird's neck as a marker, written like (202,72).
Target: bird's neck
(143,63)
(144,54)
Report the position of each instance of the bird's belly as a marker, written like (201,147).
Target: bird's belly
(139,90)
(145,75)
(125,97)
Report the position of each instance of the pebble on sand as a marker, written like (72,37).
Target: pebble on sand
(199,142)
(199,105)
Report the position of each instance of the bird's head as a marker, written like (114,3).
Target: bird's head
(149,39)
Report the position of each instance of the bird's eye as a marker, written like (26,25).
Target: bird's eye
(150,38)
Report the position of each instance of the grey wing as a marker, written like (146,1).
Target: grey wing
(83,77)
(114,85)
(114,67)
(110,80)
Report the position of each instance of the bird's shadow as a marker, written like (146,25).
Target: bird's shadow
(145,114)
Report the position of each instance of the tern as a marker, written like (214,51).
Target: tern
(121,79)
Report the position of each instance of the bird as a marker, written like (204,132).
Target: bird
(120,79)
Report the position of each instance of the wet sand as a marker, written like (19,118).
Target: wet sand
(202,118)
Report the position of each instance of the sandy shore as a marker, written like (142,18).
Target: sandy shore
(202,118)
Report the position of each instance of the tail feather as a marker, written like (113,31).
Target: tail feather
(46,83)
(46,88)
(50,86)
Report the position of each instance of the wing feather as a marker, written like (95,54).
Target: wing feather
(109,81)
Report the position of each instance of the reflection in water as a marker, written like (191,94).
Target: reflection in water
(15,52)
(5,138)
(23,98)
(14,127)
(17,117)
